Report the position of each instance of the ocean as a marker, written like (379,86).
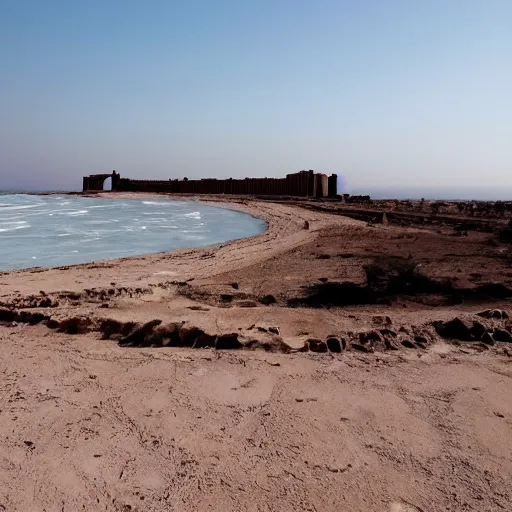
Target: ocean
(57,230)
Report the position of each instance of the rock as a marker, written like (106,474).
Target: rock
(274,344)
(228,342)
(8,315)
(226,297)
(502,335)
(381,320)
(235,285)
(335,344)
(109,327)
(274,330)
(370,337)
(306,224)
(205,341)
(316,345)
(188,335)
(456,329)
(421,339)
(362,348)
(488,339)
(478,329)
(45,303)
(498,314)
(75,325)
(323,279)
(267,300)
(304,348)
(166,334)
(139,333)
(320,347)
(31,318)
(408,343)
(391,345)
(52,324)
(388,332)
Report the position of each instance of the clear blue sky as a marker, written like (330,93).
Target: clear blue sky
(393,94)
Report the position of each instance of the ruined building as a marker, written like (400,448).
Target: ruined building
(303,184)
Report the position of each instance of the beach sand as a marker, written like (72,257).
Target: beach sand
(88,424)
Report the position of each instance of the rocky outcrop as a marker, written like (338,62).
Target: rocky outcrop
(461,329)
(498,314)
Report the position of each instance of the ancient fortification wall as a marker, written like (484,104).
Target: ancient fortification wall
(303,183)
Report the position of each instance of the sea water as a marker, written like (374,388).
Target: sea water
(56,230)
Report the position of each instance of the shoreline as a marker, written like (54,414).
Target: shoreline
(230,205)
(209,378)
(276,216)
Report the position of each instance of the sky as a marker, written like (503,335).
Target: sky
(396,96)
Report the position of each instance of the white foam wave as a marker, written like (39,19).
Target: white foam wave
(78,212)
(22,207)
(193,215)
(14,228)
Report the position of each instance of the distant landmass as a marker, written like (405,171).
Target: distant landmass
(448,194)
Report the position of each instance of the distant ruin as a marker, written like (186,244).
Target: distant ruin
(303,184)
(97,181)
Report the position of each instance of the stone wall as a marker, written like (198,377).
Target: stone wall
(303,183)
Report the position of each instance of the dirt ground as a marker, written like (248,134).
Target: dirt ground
(101,410)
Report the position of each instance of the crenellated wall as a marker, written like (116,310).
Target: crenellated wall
(303,183)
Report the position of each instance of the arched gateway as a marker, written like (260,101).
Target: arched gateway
(96,181)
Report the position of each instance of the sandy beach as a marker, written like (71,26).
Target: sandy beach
(209,379)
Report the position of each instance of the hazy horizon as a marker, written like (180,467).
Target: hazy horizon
(384,193)
(397,97)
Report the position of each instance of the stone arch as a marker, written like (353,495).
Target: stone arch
(96,181)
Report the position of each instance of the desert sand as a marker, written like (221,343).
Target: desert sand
(208,379)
